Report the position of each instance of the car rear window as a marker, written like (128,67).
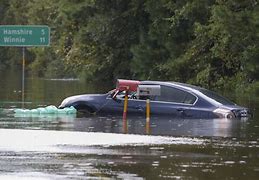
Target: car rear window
(216,97)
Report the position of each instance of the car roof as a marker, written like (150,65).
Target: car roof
(174,84)
(186,87)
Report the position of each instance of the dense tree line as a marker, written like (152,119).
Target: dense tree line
(213,43)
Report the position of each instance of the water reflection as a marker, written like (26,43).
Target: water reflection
(162,126)
(125,126)
(133,125)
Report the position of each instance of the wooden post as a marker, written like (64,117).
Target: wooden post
(148,110)
(148,116)
(125,108)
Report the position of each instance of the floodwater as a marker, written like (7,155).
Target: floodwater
(105,147)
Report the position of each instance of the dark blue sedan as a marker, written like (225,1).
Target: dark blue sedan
(175,100)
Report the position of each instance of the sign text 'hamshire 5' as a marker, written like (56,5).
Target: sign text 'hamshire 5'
(24,35)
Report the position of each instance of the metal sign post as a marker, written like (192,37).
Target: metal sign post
(24,36)
(23,74)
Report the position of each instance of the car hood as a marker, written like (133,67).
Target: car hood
(85,97)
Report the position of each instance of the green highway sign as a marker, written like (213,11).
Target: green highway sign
(24,35)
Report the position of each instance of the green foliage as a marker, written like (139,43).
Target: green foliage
(3,50)
(222,48)
(209,43)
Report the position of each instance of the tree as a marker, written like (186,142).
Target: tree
(170,30)
(208,43)
(101,47)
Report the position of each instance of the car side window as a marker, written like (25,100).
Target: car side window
(189,99)
(170,94)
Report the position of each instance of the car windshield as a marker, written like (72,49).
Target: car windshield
(216,97)
(121,94)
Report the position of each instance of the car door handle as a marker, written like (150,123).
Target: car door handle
(181,110)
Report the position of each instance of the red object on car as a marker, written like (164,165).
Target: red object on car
(127,85)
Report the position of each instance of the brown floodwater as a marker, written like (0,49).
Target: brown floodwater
(104,147)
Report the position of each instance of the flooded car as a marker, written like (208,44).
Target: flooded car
(174,99)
